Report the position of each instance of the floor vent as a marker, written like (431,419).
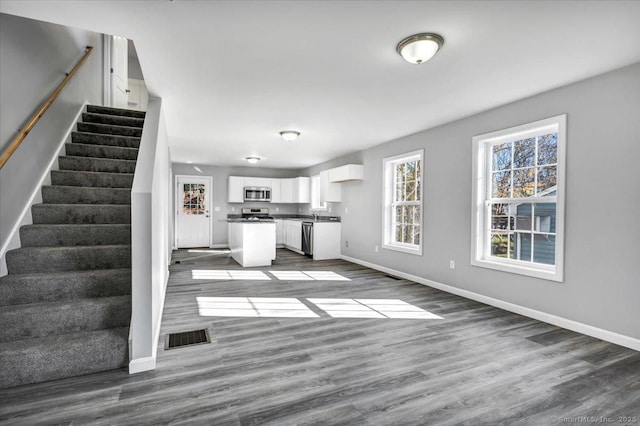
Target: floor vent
(392,277)
(187,338)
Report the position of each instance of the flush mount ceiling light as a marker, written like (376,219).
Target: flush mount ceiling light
(252,160)
(419,48)
(289,135)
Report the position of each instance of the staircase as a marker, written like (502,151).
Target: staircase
(65,305)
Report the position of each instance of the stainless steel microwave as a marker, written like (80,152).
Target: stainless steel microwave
(257,193)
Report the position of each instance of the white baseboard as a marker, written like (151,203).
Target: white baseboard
(13,240)
(142,364)
(598,333)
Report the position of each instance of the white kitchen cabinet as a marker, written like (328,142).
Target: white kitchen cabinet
(257,181)
(293,234)
(326,240)
(276,194)
(279,232)
(286,190)
(252,244)
(235,191)
(346,173)
(301,190)
(329,191)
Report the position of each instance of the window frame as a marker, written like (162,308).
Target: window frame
(388,184)
(481,189)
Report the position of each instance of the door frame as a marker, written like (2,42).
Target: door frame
(177,203)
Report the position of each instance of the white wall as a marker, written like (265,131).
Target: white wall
(34,57)
(602,249)
(150,239)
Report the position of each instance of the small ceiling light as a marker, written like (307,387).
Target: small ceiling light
(419,48)
(289,135)
(252,160)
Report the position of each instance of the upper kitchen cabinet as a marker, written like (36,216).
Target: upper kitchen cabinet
(258,182)
(301,190)
(346,173)
(329,191)
(276,191)
(286,191)
(235,192)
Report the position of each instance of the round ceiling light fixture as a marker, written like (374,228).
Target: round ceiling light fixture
(252,160)
(289,135)
(419,48)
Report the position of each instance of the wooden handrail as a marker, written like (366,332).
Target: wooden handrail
(36,117)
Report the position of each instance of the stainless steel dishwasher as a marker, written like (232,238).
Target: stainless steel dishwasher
(307,238)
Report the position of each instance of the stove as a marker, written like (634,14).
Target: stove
(256,214)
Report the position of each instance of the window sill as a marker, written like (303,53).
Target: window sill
(405,249)
(545,273)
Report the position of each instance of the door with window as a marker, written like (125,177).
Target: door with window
(193,217)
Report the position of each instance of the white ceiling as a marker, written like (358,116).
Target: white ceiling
(232,74)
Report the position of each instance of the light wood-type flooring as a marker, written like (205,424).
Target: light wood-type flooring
(475,365)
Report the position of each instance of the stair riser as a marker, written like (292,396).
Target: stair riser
(109,130)
(70,235)
(29,261)
(110,140)
(50,360)
(112,120)
(81,195)
(96,165)
(64,213)
(101,151)
(97,109)
(37,288)
(99,180)
(31,321)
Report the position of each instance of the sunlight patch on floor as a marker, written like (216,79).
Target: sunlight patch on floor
(267,307)
(372,308)
(289,307)
(240,274)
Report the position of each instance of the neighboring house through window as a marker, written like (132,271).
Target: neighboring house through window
(518,206)
(403,202)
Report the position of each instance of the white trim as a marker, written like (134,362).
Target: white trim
(219,246)
(142,364)
(480,189)
(177,205)
(25,218)
(388,164)
(578,327)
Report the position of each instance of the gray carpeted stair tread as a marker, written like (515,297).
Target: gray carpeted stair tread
(81,213)
(65,305)
(33,320)
(108,129)
(91,164)
(98,109)
(101,151)
(100,139)
(19,289)
(27,260)
(95,179)
(54,235)
(56,357)
(113,120)
(57,194)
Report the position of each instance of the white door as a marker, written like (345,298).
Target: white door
(193,198)
(119,72)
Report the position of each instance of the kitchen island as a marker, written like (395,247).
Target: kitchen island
(252,243)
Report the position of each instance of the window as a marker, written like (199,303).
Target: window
(518,206)
(316,204)
(403,202)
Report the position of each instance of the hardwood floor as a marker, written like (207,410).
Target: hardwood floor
(477,365)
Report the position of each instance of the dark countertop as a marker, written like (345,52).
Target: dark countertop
(306,218)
